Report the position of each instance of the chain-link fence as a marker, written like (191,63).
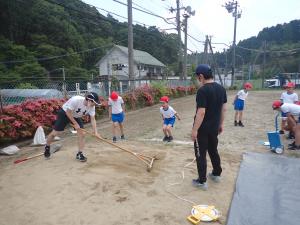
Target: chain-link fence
(14,93)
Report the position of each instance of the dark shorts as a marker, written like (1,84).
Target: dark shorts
(62,120)
(169,121)
(239,105)
(119,117)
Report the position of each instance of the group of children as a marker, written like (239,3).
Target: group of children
(76,107)
(289,107)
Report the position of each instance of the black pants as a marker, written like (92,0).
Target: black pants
(207,142)
(62,120)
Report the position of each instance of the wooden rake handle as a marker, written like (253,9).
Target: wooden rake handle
(25,159)
(146,159)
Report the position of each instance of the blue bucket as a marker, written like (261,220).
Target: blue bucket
(274,139)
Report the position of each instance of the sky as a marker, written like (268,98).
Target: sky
(210,17)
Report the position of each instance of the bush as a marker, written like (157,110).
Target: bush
(21,121)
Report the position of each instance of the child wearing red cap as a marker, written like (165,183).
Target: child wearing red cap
(289,96)
(169,116)
(116,114)
(239,103)
(292,112)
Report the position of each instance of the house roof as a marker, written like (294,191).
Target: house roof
(139,57)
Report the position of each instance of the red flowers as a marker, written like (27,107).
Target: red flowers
(19,121)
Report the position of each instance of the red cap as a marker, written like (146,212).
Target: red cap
(247,85)
(276,104)
(114,96)
(290,85)
(164,99)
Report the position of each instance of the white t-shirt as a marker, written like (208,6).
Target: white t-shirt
(242,94)
(290,108)
(169,113)
(289,98)
(116,106)
(75,104)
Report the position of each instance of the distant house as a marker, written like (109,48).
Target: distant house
(115,63)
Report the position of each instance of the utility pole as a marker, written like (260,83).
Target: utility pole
(196,59)
(186,15)
(130,42)
(64,87)
(264,64)
(185,46)
(179,38)
(234,40)
(215,63)
(205,60)
(232,7)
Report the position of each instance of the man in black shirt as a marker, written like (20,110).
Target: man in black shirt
(208,123)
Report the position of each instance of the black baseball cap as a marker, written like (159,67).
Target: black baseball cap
(92,96)
(203,69)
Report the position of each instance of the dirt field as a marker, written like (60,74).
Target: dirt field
(114,188)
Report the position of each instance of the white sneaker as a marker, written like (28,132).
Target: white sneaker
(197,184)
(214,178)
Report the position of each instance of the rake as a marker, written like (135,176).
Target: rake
(53,149)
(148,160)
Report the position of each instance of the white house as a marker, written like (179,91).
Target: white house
(115,63)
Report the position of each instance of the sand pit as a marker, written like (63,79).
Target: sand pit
(114,188)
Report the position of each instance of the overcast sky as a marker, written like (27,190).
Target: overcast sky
(210,17)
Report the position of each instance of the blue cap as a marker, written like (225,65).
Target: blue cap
(203,69)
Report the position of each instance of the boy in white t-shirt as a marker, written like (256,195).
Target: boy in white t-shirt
(292,112)
(239,103)
(289,96)
(168,115)
(71,112)
(116,114)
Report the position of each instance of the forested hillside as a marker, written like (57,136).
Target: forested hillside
(71,34)
(39,37)
(281,49)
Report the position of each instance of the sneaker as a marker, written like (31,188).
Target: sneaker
(198,184)
(291,136)
(122,137)
(214,178)
(47,152)
(292,144)
(241,124)
(295,147)
(114,139)
(80,157)
(281,132)
(170,138)
(166,138)
(235,123)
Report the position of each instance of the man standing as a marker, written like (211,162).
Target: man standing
(208,124)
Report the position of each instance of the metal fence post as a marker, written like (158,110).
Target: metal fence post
(109,87)
(121,87)
(1,103)
(77,88)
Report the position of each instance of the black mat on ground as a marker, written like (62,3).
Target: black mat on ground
(267,191)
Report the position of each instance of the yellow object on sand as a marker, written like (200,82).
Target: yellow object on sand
(203,213)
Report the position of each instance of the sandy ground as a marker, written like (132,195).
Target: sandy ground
(114,188)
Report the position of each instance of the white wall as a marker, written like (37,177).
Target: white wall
(115,57)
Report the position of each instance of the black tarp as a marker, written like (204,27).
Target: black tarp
(267,191)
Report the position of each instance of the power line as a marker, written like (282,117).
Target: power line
(149,13)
